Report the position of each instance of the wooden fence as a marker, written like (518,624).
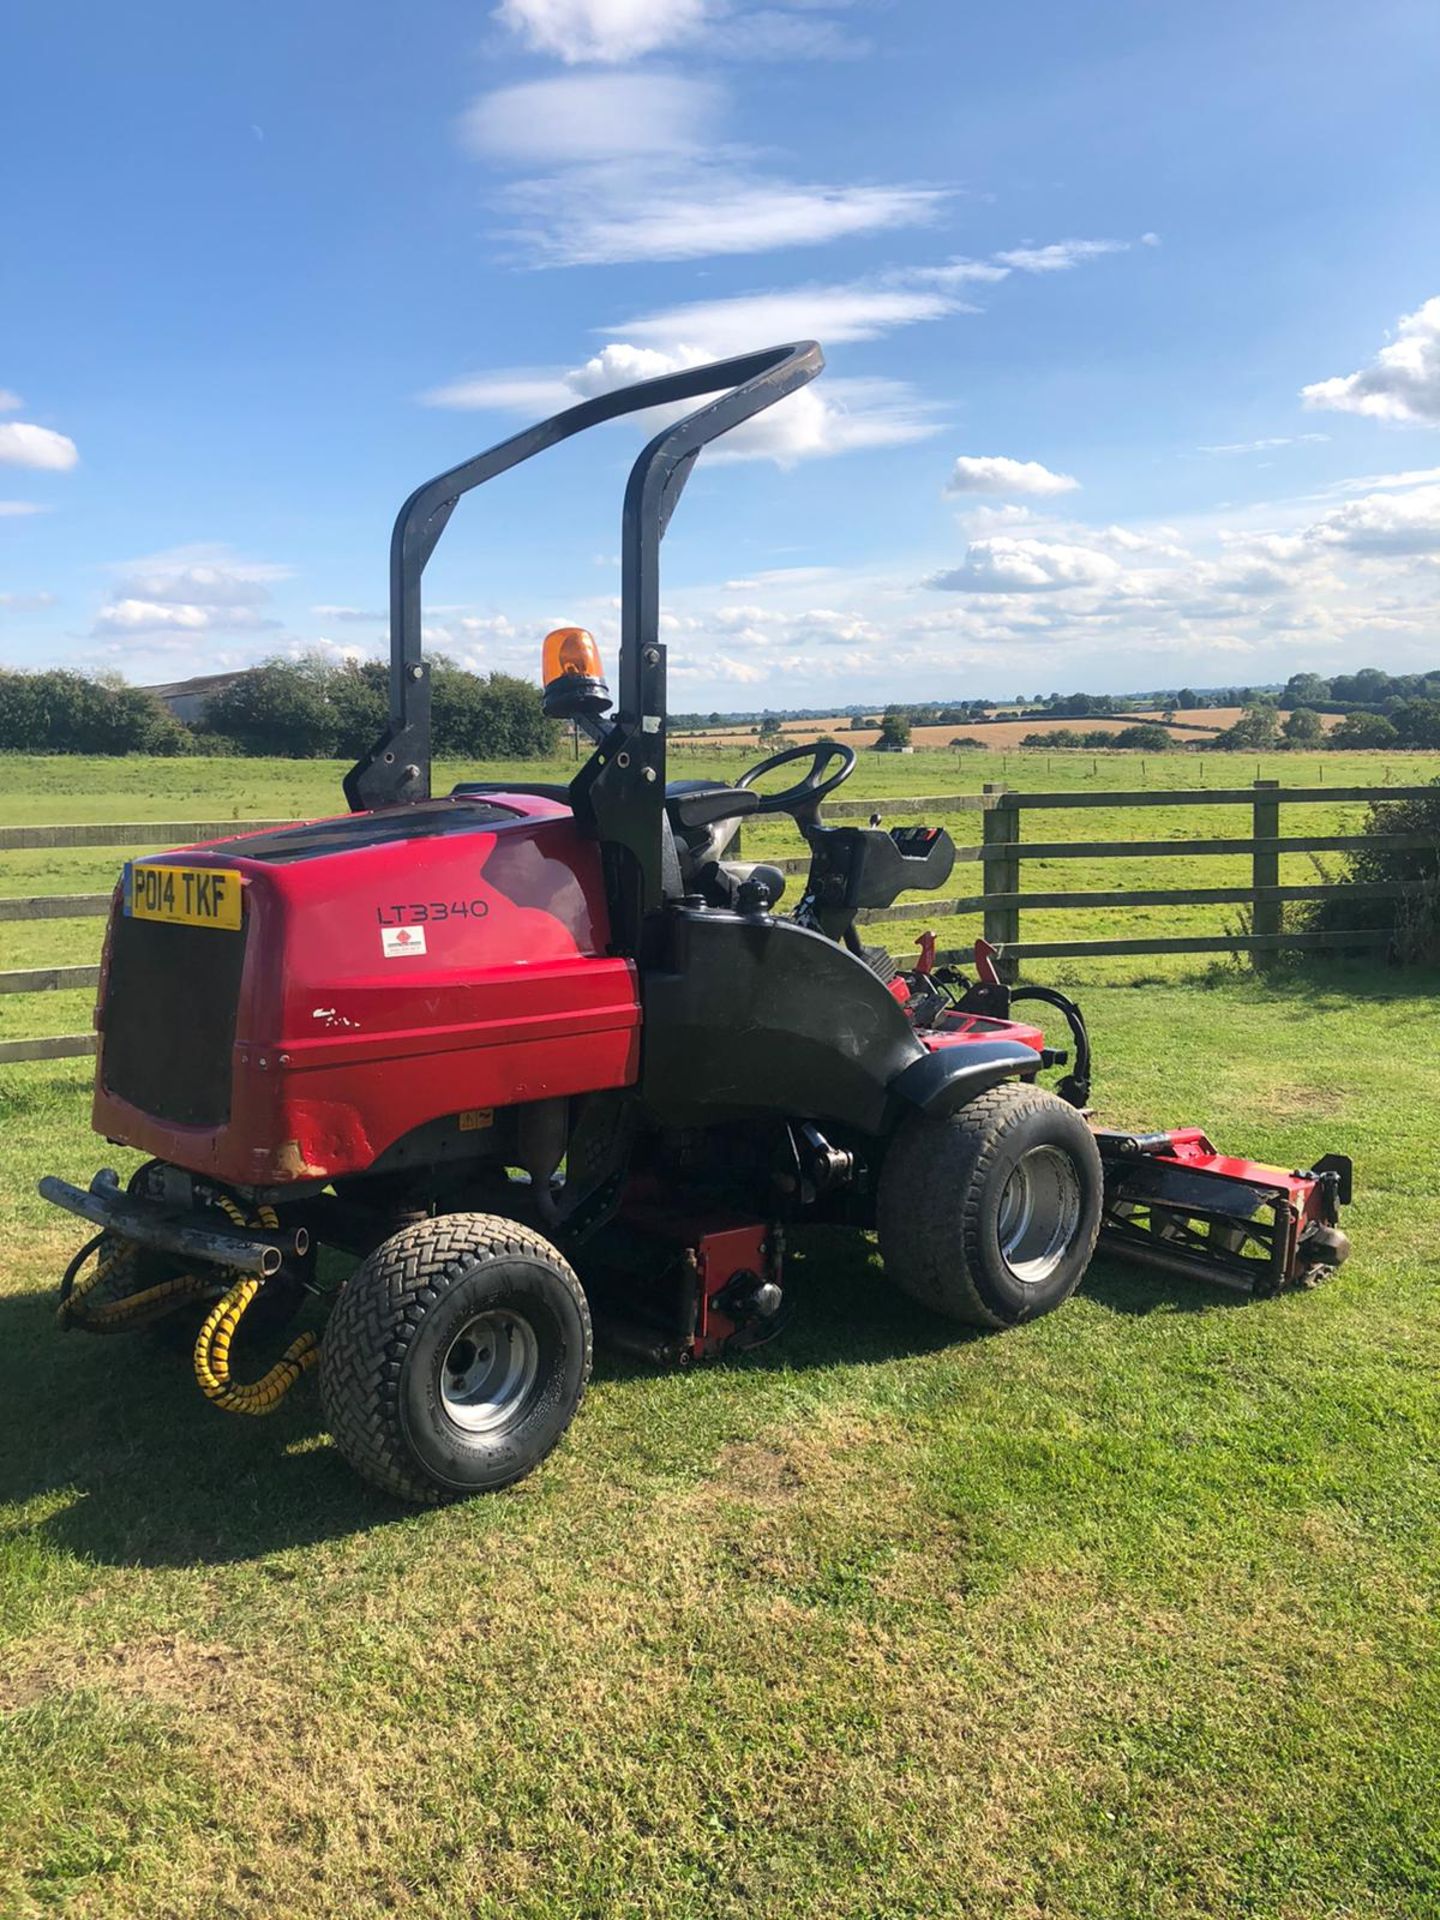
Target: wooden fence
(1002,849)
(998,855)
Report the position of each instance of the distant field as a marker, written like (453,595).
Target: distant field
(1213,719)
(1200,723)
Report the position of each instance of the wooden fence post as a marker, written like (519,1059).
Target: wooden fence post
(1267,914)
(1000,822)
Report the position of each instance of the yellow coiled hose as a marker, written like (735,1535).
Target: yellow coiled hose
(127,1310)
(212,1347)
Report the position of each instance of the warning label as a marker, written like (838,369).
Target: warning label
(396,942)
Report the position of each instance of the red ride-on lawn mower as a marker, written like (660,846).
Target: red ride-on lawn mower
(533,1054)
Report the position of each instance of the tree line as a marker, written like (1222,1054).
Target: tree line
(1412,723)
(306,709)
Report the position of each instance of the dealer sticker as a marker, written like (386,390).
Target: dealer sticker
(397,942)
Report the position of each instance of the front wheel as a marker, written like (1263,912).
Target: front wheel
(990,1215)
(455,1357)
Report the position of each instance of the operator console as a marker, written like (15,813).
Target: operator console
(857,867)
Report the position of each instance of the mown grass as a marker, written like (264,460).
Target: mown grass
(1129,1614)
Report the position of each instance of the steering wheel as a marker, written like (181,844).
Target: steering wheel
(810,791)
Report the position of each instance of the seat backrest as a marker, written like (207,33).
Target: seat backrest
(697,842)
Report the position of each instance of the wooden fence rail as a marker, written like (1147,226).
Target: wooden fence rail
(1002,850)
(136,833)
(999,855)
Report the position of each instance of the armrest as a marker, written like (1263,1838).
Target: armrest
(704,809)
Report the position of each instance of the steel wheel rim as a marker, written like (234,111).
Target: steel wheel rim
(489,1371)
(1039,1214)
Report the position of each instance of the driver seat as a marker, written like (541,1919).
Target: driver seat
(700,846)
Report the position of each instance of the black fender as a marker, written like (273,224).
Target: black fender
(746,1015)
(948,1077)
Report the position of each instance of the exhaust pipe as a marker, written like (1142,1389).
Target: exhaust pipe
(192,1236)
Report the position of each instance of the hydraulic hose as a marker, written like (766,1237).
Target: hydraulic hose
(212,1347)
(1075,1087)
(128,1310)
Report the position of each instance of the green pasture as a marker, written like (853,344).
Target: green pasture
(59,791)
(1130,1615)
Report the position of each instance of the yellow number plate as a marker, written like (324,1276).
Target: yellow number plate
(193,896)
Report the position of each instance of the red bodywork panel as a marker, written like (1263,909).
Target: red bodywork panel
(390,984)
(725,1250)
(959,1028)
(1300,1194)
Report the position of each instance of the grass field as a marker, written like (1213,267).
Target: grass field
(58,791)
(1130,1615)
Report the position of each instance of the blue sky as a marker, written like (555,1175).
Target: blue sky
(1132,315)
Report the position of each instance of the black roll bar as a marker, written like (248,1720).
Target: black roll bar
(397,768)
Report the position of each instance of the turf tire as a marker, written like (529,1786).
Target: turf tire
(395,1321)
(939,1207)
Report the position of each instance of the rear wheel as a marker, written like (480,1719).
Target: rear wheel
(990,1215)
(455,1357)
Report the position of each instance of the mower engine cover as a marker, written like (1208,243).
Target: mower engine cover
(284,1006)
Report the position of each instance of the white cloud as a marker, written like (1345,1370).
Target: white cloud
(333,652)
(808,424)
(577,30)
(616,30)
(625,166)
(1006,564)
(962,272)
(16,509)
(722,669)
(24,445)
(209,576)
(484,642)
(199,589)
(10,401)
(609,216)
(1159,542)
(833,314)
(1059,256)
(620,365)
(1403,381)
(360,615)
(151,616)
(590,116)
(1375,482)
(207,586)
(843,416)
(994,517)
(847,415)
(1385,523)
(25,602)
(1266,445)
(518,391)
(768,33)
(1081,605)
(994,473)
(1208,588)
(782,576)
